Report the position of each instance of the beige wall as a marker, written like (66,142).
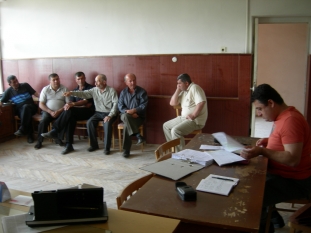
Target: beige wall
(282,60)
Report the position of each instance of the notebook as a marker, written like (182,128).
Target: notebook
(217,184)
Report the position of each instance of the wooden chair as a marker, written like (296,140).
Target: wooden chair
(100,131)
(178,111)
(294,225)
(131,189)
(291,202)
(165,157)
(165,148)
(81,125)
(120,128)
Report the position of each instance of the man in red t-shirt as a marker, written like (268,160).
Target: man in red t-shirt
(288,150)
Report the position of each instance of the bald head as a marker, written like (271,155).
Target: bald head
(130,81)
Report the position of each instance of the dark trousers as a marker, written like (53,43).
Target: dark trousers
(25,113)
(66,121)
(279,189)
(92,124)
(131,126)
(46,119)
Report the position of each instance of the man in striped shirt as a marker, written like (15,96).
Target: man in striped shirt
(21,95)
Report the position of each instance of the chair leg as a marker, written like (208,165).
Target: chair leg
(268,222)
(120,143)
(142,134)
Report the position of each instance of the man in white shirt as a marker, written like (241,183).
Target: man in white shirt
(51,102)
(193,102)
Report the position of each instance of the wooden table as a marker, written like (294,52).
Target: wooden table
(239,211)
(119,221)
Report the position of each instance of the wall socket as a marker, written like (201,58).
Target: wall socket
(223,49)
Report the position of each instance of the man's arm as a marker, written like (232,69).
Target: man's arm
(174,99)
(79,104)
(36,94)
(198,108)
(290,156)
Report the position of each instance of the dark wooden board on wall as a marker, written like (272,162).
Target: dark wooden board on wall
(225,78)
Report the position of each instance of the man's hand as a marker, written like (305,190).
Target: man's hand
(55,114)
(190,117)
(262,142)
(68,106)
(251,152)
(68,93)
(130,111)
(107,118)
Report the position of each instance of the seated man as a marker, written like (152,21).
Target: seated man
(21,95)
(193,102)
(52,103)
(132,105)
(76,110)
(106,103)
(287,149)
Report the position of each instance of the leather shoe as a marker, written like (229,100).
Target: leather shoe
(30,139)
(50,135)
(140,140)
(277,220)
(126,153)
(19,133)
(67,150)
(106,152)
(91,149)
(38,146)
(59,142)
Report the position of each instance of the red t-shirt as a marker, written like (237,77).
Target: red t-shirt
(291,127)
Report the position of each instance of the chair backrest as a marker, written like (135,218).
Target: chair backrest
(165,157)
(131,189)
(167,147)
(177,109)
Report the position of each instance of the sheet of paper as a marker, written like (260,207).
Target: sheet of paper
(194,156)
(17,224)
(228,142)
(217,184)
(223,157)
(209,147)
(22,200)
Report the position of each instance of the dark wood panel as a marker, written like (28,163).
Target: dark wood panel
(148,73)
(226,77)
(120,67)
(308,93)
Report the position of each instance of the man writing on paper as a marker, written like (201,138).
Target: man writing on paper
(288,150)
(193,102)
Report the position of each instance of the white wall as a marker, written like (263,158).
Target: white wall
(59,28)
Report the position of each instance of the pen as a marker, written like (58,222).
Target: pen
(219,178)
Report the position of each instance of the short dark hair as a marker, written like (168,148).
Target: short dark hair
(53,75)
(184,78)
(10,78)
(265,92)
(79,74)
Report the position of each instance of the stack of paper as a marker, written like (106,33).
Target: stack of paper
(194,156)
(217,184)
